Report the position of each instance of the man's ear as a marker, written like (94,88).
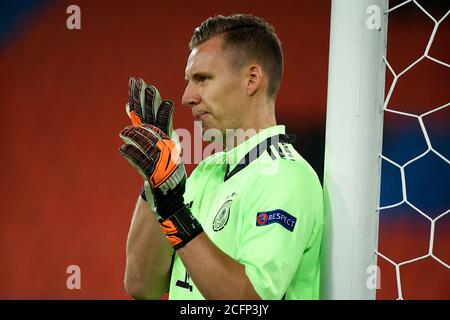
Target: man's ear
(255,79)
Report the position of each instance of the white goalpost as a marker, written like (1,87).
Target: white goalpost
(353,146)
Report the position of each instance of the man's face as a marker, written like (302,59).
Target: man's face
(215,92)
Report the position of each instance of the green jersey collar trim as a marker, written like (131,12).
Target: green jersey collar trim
(237,153)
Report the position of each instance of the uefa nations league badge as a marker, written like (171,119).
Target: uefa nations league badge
(221,218)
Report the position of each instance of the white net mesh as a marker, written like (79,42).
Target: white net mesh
(405,201)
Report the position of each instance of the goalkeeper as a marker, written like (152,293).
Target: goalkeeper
(231,230)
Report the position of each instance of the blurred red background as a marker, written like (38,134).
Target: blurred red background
(66,194)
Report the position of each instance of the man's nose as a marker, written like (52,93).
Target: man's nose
(190,97)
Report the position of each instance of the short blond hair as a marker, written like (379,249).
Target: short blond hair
(247,38)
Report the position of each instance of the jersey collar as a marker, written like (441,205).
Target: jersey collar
(235,155)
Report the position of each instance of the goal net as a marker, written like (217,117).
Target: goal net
(413,247)
(387,192)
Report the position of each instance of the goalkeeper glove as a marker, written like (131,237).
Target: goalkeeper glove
(145,106)
(157,159)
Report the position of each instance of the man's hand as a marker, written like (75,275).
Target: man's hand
(145,106)
(157,159)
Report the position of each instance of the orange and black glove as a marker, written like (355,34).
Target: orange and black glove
(145,106)
(158,160)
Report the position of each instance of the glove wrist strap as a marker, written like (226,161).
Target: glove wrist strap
(180,228)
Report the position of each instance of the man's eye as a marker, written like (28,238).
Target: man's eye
(202,78)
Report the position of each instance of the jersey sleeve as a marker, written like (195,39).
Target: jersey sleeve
(278,222)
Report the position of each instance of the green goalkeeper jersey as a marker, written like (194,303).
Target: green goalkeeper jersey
(261,204)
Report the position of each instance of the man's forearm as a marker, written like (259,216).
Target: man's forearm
(149,256)
(215,274)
